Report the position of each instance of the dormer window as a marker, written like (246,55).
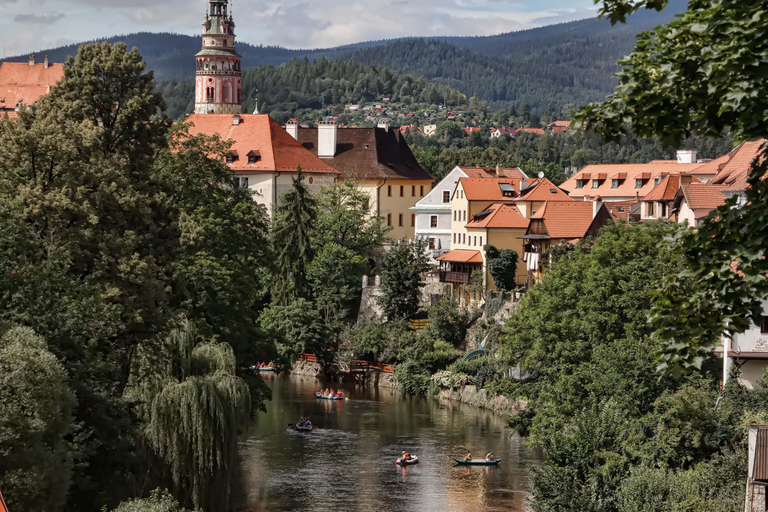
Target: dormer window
(657,181)
(638,183)
(231,157)
(580,183)
(253,157)
(507,190)
(614,183)
(595,183)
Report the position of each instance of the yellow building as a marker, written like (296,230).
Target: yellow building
(379,162)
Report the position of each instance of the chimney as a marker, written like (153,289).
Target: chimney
(31,60)
(292,127)
(327,132)
(236,120)
(685,178)
(686,156)
(523,185)
(499,171)
(47,63)
(597,202)
(384,123)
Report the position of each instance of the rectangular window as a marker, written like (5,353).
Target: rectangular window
(764,325)
(650,209)
(595,183)
(433,221)
(446,197)
(402,191)
(421,190)
(464,238)
(462,194)
(431,244)
(454,215)
(389,219)
(454,238)
(400,220)
(481,241)
(413,190)
(389,190)
(579,183)
(413,219)
(242,182)
(638,183)
(475,239)
(614,183)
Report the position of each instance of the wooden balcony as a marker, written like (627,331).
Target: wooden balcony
(454,277)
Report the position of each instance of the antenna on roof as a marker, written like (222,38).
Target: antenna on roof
(541,174)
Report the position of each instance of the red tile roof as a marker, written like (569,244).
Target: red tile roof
(623,209)
(566,219)
(259,132)
(667,188)
(500,216)
(490,172)
(462,256)
(487,189)
(735,170)
(531,130)
(543,190)
(22,83)
(626,189)
(701,197)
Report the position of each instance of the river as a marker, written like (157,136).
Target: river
(348,463)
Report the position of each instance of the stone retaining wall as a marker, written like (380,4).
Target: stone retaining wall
(306,368)
(496,403)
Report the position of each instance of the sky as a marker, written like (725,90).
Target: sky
(33,25)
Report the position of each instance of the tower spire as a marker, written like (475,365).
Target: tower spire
(217,84)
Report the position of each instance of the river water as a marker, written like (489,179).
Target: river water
(348,463)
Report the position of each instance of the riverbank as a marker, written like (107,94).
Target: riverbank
(482,399)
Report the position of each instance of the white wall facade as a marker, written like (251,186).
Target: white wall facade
(753,348)
(434,205)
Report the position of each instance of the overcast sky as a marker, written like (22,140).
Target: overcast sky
(32,25)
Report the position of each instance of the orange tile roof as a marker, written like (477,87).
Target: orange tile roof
(702,197)
(501,216)
(544,190)
(735,171)
(487,189)
(623,209)
(3,506)
(626,188)
(490,172)
(531,130)
(667,188)
(259,132)
(462,256)
(22,83)
(566,219)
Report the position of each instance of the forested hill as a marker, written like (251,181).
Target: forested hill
(283,91)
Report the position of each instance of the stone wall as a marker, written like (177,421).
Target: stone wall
(306,368)
(386,380)
(370,309)
(482,399)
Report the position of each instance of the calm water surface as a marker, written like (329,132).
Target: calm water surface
(348,463)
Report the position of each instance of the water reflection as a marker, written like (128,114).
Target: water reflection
(348,463)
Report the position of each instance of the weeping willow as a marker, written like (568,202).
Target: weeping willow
(193,406)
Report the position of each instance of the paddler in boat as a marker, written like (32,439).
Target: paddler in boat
(489,457)
(468,457)
(338,393)
(405,456)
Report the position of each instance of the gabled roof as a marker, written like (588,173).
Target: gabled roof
(543,190)
(498,216)
(22,83)
(565,219)
(735,170)
(369,153)
(259,132)
(624,210)
(702,198)
(462,256)
(490,172)
(488,189)
(667,188)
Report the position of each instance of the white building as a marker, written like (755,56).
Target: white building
(433,211)
(749,350)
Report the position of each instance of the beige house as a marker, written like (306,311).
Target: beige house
(379,162)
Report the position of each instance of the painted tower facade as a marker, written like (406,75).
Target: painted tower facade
(217,84)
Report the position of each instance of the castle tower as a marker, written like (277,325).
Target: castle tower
(217,84)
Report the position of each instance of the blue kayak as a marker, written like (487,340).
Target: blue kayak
(482,462)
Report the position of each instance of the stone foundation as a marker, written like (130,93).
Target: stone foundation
(496,403)
(386,380)
(305,368)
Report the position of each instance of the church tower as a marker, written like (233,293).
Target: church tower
(217,84)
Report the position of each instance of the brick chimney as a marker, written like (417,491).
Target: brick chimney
(292,127)
(31,60)
(236,120)
(685,178)
(499,171)
(47,62)
(327,133)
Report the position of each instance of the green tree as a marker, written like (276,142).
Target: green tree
(401,284)
(294,220)
(35,419)
(159,501)
(335,276)
(300,327)
(701,74)
(502,265)
(448,322)
(194,407)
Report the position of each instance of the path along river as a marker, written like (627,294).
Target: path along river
(348,463)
